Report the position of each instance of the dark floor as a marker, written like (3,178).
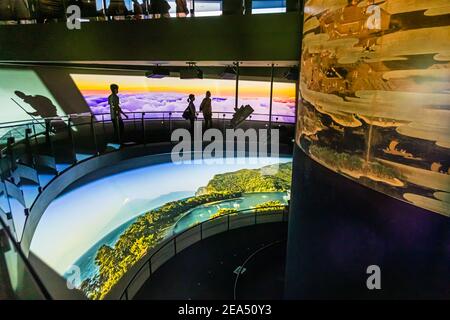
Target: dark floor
(205,270)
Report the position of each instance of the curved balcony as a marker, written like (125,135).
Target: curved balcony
(43,158)
(33,154)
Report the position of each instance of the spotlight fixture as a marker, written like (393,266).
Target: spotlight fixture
(191,72)
(158,73)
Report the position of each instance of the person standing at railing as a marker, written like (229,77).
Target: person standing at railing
(182,9)
(159,8)
(116,111)
(117,9)
(206,108)
(138,11)
(190,113)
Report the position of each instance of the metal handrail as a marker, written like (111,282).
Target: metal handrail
(173,238)
(16,123)
(165,114)
(15,149)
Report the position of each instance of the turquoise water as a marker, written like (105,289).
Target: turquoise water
(204,212)
(86,262)
(97,213)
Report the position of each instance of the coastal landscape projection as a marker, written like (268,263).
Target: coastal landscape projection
(375,95)
(141,94)
(107,225)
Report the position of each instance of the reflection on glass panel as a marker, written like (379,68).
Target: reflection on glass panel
(268,6)
(208,8)
(16,281)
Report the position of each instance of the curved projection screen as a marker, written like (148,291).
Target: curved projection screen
(139,94)
(375,95)
(106,226)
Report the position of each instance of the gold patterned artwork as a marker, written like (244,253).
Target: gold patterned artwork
(375,95)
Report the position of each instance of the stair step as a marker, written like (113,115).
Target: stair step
(18,216)
(30,193)
(83,156)
(114,146)
(62,166)
(45,178)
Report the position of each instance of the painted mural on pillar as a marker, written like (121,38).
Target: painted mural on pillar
(375,95)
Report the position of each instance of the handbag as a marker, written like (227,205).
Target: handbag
(187,114)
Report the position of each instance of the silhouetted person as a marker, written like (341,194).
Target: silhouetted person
(116,111)
(44,106)
(117,8)
(14,10)
(182,9)
(160,8)
(88,7)
(138,11)
(248,7)
(49,10)
(190,112)
(206,108)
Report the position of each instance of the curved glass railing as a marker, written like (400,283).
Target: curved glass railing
(35,152)
(18,280)
(134,279)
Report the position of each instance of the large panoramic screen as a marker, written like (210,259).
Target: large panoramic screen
(105,226)
(375,94)
(139,94)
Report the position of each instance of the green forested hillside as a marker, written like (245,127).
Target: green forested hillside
(151,228)
(145,233)
(252,180)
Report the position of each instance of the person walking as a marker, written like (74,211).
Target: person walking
(206,108)
(116,111)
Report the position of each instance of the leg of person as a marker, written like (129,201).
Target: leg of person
(121,130)
(209,122)
(192,125)
(116,130)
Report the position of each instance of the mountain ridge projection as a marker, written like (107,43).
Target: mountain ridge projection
(251,180)
(150,228)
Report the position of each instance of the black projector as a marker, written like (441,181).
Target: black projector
(158,73)
(191,73)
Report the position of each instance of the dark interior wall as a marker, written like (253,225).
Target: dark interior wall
(337,228)
(268,37)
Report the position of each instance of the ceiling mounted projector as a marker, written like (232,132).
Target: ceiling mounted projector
(229,73)
(191,73)
(158,73)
